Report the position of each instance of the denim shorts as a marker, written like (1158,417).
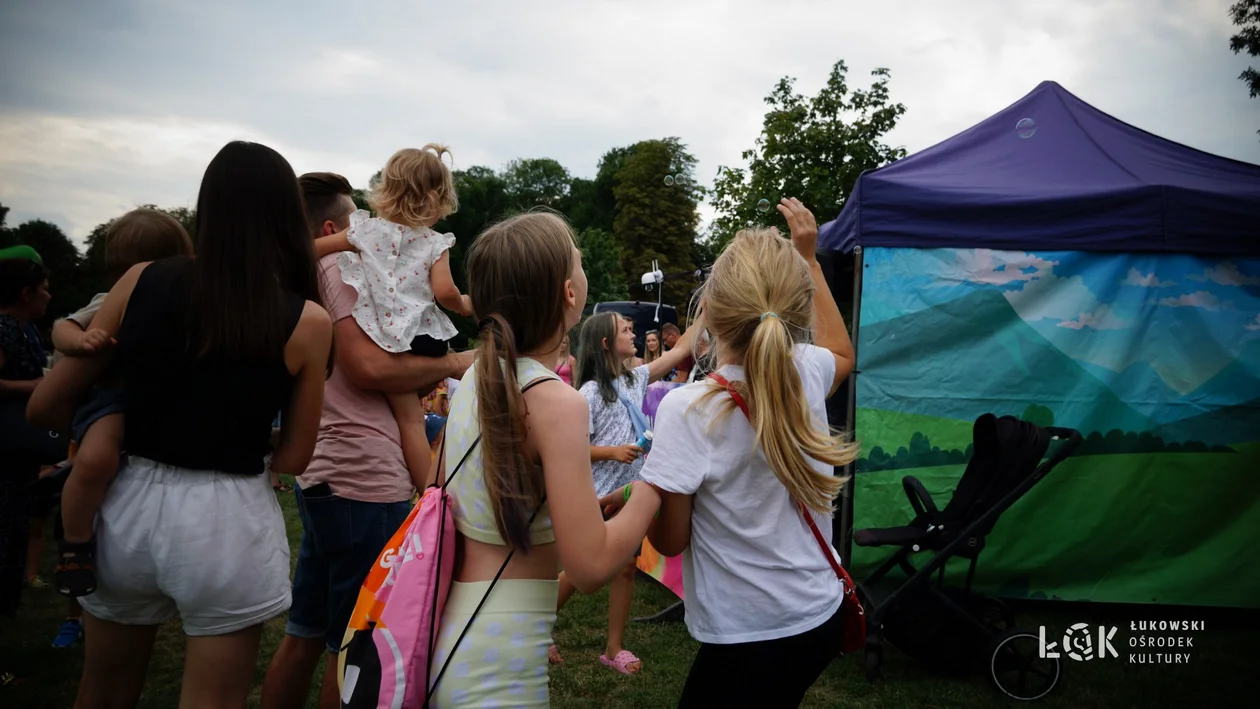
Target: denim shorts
(101,402)
(341,540)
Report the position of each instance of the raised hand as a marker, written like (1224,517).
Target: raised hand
(802,225)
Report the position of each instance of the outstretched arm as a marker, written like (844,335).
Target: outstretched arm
(669,361)
(333,243)
(591,550)
(829,330)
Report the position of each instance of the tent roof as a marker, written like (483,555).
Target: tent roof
(1077,179)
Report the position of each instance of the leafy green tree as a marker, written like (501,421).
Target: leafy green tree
(1245,15)
(1039,415)
(61,257)
(812,148)
(655,220)
(537,181)
(601,259)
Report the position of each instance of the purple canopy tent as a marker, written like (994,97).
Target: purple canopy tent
(1071,178)
(1054,261)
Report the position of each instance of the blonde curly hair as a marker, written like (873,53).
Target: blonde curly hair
(416,188)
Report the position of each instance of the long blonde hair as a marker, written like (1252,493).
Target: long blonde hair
(759,304)
(517,270)
(416,188)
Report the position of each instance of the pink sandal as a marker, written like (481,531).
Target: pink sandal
(553,655)
(622,662)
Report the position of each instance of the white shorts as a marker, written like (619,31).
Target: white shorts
(209,547)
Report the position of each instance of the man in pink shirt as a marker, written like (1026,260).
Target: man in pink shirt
(356,492)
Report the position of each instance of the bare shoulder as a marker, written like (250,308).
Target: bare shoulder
(558,399)
(313,326)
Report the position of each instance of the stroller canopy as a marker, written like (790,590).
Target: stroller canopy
(1052,172)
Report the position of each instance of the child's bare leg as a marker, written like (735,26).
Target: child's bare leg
(409,413)
(95,466)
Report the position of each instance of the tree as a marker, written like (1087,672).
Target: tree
(1038,415)
(536,181)
(1245,15)
(810,148)
(601,259)
(656,221)
(61,257)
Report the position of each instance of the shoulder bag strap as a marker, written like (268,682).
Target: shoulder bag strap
(809,519)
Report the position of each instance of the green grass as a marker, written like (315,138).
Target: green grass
(1223,656)
(891,429)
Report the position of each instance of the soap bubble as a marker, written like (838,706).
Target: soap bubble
(1026,127)
(763,205)
(857,250)
(669,180)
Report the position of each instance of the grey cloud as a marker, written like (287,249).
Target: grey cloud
(338,86)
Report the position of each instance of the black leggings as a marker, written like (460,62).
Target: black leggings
(769,673)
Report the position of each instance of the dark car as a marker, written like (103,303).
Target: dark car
(644,315)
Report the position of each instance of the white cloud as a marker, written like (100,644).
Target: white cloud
(1198,299)
(1150,280)
(1102,318)
(1053,298)
(143,90)
(1254,324)
(994,268)
(1226,274)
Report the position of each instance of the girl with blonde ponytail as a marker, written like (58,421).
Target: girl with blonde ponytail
(762,597)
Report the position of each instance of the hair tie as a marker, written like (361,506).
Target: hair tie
(485,323)
(768,314)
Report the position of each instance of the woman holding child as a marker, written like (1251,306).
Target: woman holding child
(207,350)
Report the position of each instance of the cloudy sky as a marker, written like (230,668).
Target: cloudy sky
(112,103)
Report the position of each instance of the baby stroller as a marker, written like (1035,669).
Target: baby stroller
(956,629)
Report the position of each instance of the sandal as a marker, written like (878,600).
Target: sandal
(622,662)
(281,487)
(553,656)
(76,568)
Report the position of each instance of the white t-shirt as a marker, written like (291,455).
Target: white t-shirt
(753,570)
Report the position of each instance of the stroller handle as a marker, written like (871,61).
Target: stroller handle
(1071,441)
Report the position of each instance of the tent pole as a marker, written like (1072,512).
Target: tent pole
(845,543)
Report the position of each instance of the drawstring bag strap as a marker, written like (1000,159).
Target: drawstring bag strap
(502,567)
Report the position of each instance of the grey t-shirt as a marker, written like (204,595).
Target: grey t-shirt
(611,426)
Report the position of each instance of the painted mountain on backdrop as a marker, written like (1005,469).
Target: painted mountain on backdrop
(975,355)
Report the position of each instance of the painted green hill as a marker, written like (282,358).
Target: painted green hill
(891,429)
(975,355)
(1225,426)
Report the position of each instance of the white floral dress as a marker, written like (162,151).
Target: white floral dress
(390,273)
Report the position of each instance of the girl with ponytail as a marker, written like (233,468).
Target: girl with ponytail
(518,459)
(762,598)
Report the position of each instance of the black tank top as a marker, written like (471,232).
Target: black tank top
(202,413)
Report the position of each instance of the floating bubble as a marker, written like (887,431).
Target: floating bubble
(763,205)
(669,180)
(1026,127)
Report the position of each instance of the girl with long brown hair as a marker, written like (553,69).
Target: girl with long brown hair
(615,394)
(518,454)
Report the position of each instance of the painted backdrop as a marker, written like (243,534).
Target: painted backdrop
(1154,358)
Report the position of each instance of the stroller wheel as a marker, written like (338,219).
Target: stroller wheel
(1016,668)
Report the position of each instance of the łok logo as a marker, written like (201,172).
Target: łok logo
(1078,643)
